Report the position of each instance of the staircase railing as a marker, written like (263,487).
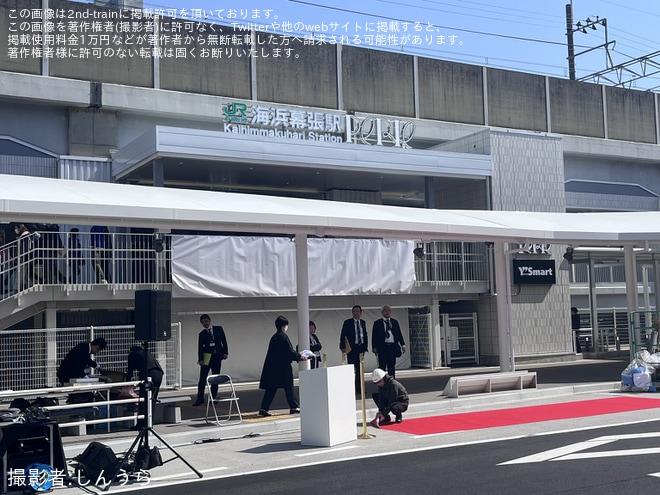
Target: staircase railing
(47,258)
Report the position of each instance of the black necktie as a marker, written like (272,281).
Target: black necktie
(388,327)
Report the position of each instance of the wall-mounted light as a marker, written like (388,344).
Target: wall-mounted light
(419,250)
(158,243)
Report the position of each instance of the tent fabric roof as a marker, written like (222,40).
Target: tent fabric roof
(34,199)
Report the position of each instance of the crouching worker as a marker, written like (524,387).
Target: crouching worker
(391,397)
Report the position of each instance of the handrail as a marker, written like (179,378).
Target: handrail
(89,387)
(79,259)
(81,388)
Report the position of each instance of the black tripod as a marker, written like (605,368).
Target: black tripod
(142,439)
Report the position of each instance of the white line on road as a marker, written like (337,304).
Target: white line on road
(609,453)
(326,451)
(570,452)
(181,475)
(394,452)
(549,455)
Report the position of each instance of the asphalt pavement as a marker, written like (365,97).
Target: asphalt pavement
(266,455)
(556,382)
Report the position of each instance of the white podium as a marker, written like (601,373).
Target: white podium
(327,406)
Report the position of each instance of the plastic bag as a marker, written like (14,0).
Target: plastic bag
(637,377)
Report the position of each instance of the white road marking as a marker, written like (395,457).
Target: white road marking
(553,454)
(339,449)
(394,452)
(181,475)
(571,452)
(609,453)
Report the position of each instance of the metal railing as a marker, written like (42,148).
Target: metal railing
(612,273)
(79,258)
(456,262)
(645,326)
(613,330)
(76,259)
(96,412)
(30,358)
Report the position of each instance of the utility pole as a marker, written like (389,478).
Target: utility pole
(583,29)
(571,46)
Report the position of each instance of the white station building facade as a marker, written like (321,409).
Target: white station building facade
(343,125)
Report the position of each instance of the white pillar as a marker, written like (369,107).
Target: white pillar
(503,295)
(645,287)
(656,284)
(302,284)
(435,351)
(631,290)
(596,344)
(51,343)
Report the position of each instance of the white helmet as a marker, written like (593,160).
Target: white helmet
(377,375)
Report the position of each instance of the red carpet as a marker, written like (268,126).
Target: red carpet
(521,415)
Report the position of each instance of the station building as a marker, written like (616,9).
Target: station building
(283,117)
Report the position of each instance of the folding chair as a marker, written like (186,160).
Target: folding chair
(227,395)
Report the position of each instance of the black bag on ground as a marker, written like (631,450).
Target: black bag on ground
(147,458)
(99,463)
(19,403)
(44,402)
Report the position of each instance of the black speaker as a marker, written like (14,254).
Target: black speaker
(153,313)
(99,463)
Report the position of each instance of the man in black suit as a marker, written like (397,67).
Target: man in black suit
(212,348)
(354,341)
(141,360)
(388,343)
(78,360)
(136,363)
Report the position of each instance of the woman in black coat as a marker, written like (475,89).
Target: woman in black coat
(277,372)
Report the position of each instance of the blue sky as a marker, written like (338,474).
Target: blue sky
(529,36)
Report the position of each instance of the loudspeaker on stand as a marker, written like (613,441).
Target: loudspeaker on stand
(153,315)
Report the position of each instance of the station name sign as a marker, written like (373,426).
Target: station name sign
(310,125)
(534,272)
(534,248)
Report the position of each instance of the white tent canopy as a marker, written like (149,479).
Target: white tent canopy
(32,199)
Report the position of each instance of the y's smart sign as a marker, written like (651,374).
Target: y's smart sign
(538,272)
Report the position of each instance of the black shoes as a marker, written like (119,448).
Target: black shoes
(198,403)
(265,414)
(398,419)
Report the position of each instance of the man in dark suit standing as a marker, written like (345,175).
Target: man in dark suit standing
(388,343)
(354,341)
(212,348)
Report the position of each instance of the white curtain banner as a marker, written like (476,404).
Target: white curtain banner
(221,266)
(360,266)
